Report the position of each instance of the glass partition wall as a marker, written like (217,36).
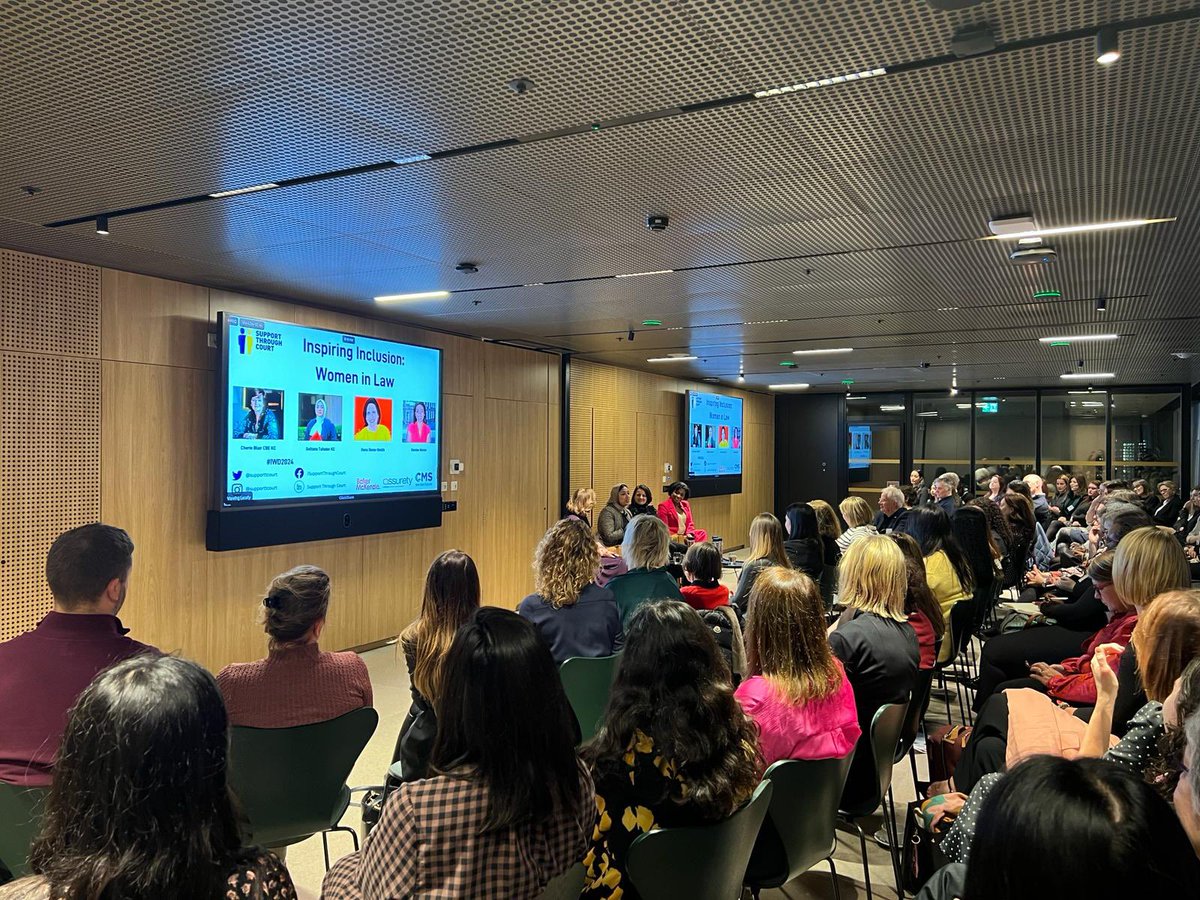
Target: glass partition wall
(1095,434)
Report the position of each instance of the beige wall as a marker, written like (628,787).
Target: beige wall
(626,425)
(131,381)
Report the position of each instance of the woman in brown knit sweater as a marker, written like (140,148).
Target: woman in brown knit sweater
(297,683)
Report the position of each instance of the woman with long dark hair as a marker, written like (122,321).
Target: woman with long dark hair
(947,568)
(1018,512)
(675,747)
(1112,837)
(139,806)
(924,614)
(642,503)
(802,540)
(508,806)
(450,598)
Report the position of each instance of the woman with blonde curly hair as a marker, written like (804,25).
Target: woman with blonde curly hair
(574,616)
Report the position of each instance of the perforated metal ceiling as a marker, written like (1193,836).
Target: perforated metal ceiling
(840,216)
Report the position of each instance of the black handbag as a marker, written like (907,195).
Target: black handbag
(923,854)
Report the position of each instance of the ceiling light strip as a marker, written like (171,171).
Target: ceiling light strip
(253,189)
(1085,376)
(661,359)
(821,82)
(1078,337)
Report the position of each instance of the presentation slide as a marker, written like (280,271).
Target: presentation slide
(860,446)
(714,435)
(321,415)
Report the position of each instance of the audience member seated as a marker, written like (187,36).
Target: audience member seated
(42,671)
(1142,495)
(139,806)
(873,639)
(1187,526)
(297,683)
(766,550)
(574,616)
(615,516)
(995,489)
(1074,528)
(676,514)
(970,529)
(1037,494)
(857,513)
(947,569)
(643,502)
(674,749)
(917,493)
(943,494)
(1071,680)
(999,533)
(509,807)
(702,568)
(802,543)
(1022,525)
(646,551)
(830,528)
(1072,828)
(1166,511)
(1146,565)
(924,614)
(450,598)
(1072,509)
(1187,790)
(797,693)
(580,506)
(1062,495)
(891,513)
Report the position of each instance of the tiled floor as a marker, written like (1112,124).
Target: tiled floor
(390,679)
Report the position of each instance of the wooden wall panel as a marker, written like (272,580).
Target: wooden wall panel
(580,449)
(614,451)
(49,306)
(155,436)
(171,321)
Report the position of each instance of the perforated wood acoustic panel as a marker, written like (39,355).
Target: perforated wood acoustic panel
(50,433)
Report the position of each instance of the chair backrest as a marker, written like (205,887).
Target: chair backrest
(882,739)
(829,584)
(291,782)
(916,709)
(704,862)
(588,683)
(20,819)
(799,830)
(567,886)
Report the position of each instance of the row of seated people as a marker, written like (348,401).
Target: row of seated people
(873,655)
(625,504)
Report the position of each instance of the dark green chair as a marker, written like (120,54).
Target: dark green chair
(882,741)
(20,819)
(291,782)
(588,682)
(567,886)
(829,586)
(801,826)
(703,862)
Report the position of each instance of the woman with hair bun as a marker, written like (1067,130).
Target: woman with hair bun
(297,683)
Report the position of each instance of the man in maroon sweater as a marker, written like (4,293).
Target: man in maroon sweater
(43,671)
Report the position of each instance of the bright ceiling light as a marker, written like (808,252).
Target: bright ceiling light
(254,188)
(683,358)
(856,397)
(102,225)
(892,408)
(640,274)
(820,82)
(931,413)
(963,405)
(1076,229)
(1108,49)
(788,387)
(1085,376)
(1078,337)
(826,350)
(419,295)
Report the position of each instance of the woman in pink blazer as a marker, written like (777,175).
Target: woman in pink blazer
(676,513)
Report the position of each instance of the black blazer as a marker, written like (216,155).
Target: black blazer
(1166,512)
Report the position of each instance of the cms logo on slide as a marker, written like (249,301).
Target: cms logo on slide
(245,342)
(424,478)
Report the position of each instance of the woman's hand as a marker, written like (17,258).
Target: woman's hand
(951,805)
(1103,674)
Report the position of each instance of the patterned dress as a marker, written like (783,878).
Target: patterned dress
(636,794)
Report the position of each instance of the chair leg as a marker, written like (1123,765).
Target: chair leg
(862,839)
(889,811)
(912,761)
(837,891)
(325,846)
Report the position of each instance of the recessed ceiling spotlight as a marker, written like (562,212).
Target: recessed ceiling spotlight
(1078,337)
(521,85)
(1085,376)
(1078,229)
(253,189)
(825,350)
(1108,49)
(674,357)
(419,295)
(102,225)
(467,267)
(947,308)
(788,387)
(1101,305)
